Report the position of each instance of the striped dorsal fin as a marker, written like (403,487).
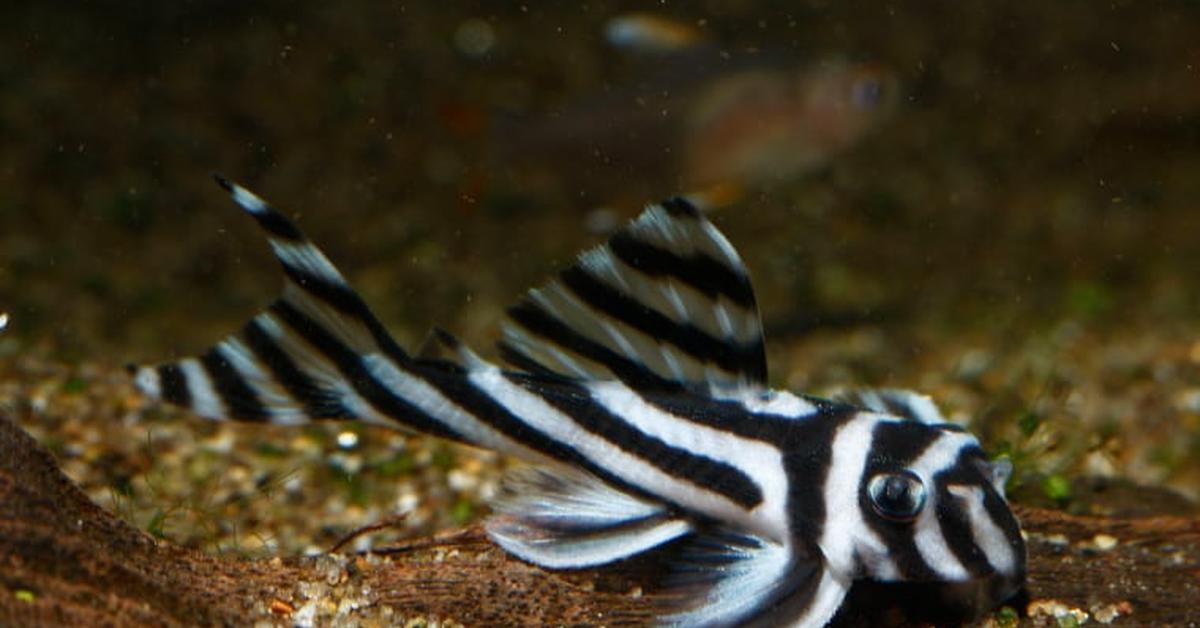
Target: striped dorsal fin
(665,303)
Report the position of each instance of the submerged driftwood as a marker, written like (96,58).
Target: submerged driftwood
(66,561)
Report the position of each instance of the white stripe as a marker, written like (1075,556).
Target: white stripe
(748,585)
(432,402)
(762,462)
(205,401)
(580,551)
(988,536)
(549,355)
(844,533)
(307,257)
(826,601)
(624,339)
(350,330)
(686,237)
(279,403)
(316,366)
(242,359)
(777,402)
(941,454)
(147,381)
(540,415)
(248,200)
(674,299)
(723,246)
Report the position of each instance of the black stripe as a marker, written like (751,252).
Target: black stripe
(451,380)
(897,403)
(277,225)
(972,469)
(344,299)
(269,219)
(318,403)
(709,276)
(894,447)
(241,402)
(748,359)
(808,455)
(955,523)
(896,444)
(679,207)
(731,416)
(522,362)
(173,386)
(898,537)
(576,402)
(533,318)
(351,366)
(331,290)
(1004,518)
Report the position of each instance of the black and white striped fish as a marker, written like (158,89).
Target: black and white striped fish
(638,388)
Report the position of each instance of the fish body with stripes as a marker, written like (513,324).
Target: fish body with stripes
(637,388)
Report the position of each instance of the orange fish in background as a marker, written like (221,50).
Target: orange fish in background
(759,128)
(707,121)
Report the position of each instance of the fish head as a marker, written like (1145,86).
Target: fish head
(934,511)
(843,101)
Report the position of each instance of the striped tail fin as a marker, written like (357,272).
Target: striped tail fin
(294,361)
(317,352)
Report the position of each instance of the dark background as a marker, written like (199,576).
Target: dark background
(1042,164)
(1018,240)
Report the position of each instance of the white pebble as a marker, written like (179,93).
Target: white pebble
(347,440)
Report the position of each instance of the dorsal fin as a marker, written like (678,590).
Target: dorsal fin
(665,303)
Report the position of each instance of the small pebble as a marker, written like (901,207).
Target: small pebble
(1108,613)
(1065,615)
(1058,540)
(306,616)
(347,440)
(279,607)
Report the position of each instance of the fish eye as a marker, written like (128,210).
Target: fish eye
(867,93)
(897,496)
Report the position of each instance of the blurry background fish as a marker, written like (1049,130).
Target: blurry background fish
(688,115)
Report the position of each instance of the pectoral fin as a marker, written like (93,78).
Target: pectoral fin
(727,578)
(564,519)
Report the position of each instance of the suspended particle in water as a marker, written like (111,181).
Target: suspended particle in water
(474,37)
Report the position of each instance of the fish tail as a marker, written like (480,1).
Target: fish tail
(316,352)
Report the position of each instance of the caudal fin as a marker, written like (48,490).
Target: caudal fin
(317,352)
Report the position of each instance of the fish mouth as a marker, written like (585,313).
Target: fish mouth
(981,595)
(874,603)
